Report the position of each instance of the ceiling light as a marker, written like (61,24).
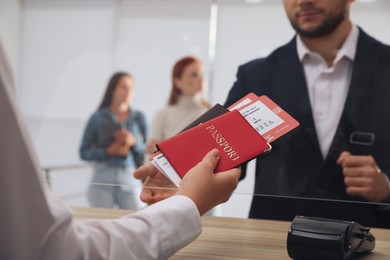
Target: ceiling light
(367,1)
(253,1)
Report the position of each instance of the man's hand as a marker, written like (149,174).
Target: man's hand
(156,186)
(363,177)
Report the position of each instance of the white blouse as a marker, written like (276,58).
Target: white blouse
(172,119)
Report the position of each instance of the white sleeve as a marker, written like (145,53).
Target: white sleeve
(156,232)
(34,224)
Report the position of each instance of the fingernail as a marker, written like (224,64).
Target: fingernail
(215,153)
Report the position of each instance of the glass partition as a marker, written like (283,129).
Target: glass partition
(69,49)
(72,184)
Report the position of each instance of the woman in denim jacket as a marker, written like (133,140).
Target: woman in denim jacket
(115,138)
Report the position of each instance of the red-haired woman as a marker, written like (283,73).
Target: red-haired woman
(185,103)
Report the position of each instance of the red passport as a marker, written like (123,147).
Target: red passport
(230,133)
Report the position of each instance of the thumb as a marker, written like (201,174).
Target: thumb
(147,170)
(342,157)
(212,158)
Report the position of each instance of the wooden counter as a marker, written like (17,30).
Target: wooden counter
(234,238)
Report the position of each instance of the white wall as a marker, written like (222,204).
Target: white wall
(70,48)
(9,33)
(66,59)
(151,36)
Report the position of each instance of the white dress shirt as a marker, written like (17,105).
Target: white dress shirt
(36,225)
(328,86)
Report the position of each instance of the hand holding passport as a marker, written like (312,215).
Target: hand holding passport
(241,133)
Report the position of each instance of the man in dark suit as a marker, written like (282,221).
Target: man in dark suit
(335,80)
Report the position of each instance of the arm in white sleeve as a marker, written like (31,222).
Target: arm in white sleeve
(35,225)
(156,232)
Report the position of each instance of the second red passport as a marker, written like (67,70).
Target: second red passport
(230,133)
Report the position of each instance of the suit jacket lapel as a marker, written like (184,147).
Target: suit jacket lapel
(367,55)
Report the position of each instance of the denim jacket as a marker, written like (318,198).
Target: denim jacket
(93,149)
